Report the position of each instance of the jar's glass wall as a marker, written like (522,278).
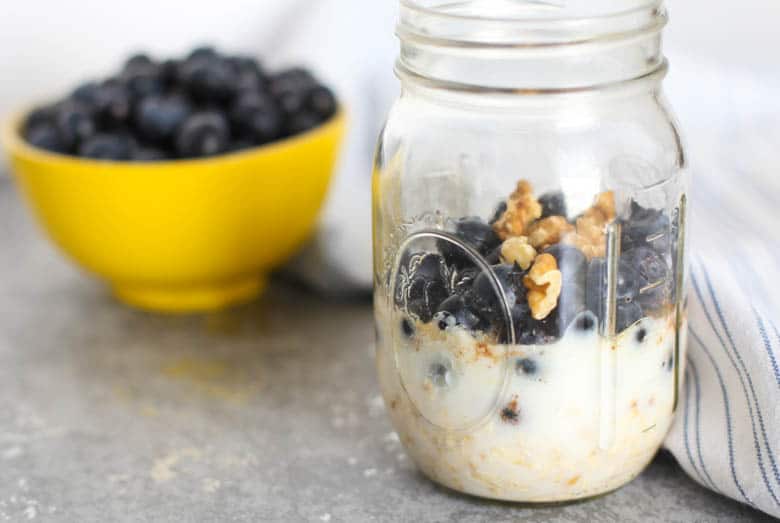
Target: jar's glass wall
(529,275)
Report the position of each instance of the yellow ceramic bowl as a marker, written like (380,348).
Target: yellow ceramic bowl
(185,235)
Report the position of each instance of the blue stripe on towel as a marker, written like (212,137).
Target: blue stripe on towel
(761,425)
(729,434)
(756,444)
(768,344)
(685,426)
(697,388)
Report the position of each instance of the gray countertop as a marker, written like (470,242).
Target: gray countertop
(269,412)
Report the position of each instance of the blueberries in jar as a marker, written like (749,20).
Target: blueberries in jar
(202,134)
(499,212)
(653,277)
(646,228)
(628,313)
(586,322)
(425,297)
(456,311)
(571,262)
(553,204)
(475,233)
(526,366)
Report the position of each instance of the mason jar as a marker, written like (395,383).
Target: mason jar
(529,206)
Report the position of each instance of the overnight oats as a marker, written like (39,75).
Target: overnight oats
(505,372)
(529,213)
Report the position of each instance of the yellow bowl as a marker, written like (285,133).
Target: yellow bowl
(184,235)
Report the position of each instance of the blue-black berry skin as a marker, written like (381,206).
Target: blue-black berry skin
(553,204)
(161,105)
(203,134)
(107,147)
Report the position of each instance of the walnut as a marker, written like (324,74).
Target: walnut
(518,250)
(548,231)
(543,282)
(522,209)
(590,236)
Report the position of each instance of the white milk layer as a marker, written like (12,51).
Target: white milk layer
(564,421)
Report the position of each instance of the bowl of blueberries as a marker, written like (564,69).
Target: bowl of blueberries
(182,183)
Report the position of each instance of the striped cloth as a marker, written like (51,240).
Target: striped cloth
(727,432)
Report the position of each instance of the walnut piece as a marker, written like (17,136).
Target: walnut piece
(522,209)
(543,282)
(549,231)
(590,236)
(518,250)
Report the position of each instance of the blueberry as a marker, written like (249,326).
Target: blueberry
(159,117)
(429,266)
(204,133)
(45,114)
(571,262)
(86,93)
(653,276)
(510,277)
(292,103)
(143,80)
(526,366)
(444,320)
(670,362)
(202,52)
(553,204)
(113,104)
(628,313)
(301,122)
(106,146)
(646,227)
(494,256)
(627,287)
(75,124)
(499,212)
(473,232)
(291,80)
(440,374)
(45,136)
(254,116)
(641,335)
(149,154)
(138,60)
(425,298)
(586,322)
(209,80)
(464,279)
(321,101)
(407,327)
(169,72)
(456,311)
(511,413)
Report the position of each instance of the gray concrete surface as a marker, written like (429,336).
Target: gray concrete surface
(269,412)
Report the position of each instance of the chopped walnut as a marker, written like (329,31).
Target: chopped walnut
(548,231)
(518,250)
(522,209)
(590,236)
(543,282)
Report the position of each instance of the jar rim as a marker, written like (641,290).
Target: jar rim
(415,5)
(440,25)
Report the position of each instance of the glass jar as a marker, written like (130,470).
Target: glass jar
(529,204)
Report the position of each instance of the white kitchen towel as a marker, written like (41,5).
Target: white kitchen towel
(727,432)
